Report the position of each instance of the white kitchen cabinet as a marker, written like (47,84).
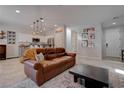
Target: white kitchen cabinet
(12,51)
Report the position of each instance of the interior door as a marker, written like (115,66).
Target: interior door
(112,43)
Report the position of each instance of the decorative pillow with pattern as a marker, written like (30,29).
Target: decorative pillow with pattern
(39,57)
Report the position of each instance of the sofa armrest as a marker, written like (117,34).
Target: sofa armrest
(71,54)
(33,64)
(34,70)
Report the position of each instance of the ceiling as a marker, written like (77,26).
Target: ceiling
(118,21)
(71,15)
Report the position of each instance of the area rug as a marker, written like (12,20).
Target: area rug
(65,80)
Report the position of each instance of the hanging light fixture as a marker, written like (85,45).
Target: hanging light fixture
(38,26)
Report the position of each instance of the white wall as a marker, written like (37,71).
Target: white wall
(59,39)
(122,37)
(68,39)
(91,53)
(74,41)
(103,44)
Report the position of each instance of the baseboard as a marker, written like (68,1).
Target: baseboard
(90,58)
(12,57)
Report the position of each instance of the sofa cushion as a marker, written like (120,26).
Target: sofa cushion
(63,60)
(49,65)
(39,50)
(50,56)
(60,54)
(39,57)
(60,50)
(50,50)
(50,53)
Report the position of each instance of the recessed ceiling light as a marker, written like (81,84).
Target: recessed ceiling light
(55,25)
(41,31)
(116,17)
(17,11)
(114,23)
(41,19)
(31,26)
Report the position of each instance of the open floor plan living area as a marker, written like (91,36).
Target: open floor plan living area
(61,46)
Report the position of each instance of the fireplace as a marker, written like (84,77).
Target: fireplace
(2,52)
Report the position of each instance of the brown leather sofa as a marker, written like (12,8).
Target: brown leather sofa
(56,61)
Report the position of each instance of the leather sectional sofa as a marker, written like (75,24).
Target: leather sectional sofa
(56,61)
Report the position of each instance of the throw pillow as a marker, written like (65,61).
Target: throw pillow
(39,57)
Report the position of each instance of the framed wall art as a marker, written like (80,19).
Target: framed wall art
(11,37)
(84,36)
(84,43)
(88,37)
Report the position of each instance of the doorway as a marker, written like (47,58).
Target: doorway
(111,45)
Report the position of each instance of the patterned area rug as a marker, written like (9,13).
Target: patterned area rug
(65,80)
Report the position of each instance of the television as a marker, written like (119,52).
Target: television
(36,40)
